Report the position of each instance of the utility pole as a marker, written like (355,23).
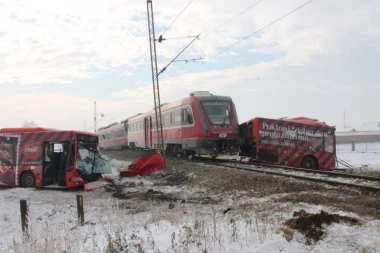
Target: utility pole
(156,87)
(94,116)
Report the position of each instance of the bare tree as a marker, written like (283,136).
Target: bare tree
(29,123)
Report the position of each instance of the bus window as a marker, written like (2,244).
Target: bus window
(90,163)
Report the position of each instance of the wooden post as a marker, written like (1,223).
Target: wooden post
(80,210)
(353,144)
(24,216)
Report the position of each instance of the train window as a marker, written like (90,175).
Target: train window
(184,113)
(186,116)
(120,133)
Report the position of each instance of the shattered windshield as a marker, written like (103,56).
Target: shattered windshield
(90,162)
(218,112)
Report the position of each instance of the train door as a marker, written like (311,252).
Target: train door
(148,132)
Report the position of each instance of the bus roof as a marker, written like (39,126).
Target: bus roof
(302,120)
(16,130)
(26,130)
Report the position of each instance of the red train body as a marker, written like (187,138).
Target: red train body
(298,142)
(114,136)
(202,124)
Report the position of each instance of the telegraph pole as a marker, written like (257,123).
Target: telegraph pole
(156,87)
(94,116)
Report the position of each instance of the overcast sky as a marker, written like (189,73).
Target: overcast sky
(275,58)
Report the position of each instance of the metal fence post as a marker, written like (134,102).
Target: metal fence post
(24,216)
(80,210)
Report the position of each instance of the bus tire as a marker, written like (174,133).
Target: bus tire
(27,180)
(309,162)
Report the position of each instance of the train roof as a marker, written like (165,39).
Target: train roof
(196,95)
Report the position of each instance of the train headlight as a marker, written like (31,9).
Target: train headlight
(206,132)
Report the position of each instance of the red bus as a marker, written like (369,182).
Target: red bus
(42,157)
(298,142)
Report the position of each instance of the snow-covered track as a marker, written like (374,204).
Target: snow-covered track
(361,182)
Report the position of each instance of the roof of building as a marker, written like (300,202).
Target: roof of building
(370,126)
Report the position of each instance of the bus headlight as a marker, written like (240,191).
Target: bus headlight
(76,179)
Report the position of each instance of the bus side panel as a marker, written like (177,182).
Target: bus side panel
(9,146)
(287,143)
(31,153)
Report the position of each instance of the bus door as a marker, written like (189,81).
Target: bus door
(8,159)
(148,132)
(54,165)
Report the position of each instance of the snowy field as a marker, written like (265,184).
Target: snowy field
(365,154)
(110,226)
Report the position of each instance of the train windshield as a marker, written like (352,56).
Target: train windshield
(218,112)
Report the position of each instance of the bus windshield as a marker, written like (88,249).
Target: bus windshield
(90,162)
(218,112)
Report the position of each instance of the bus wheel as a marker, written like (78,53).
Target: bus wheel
(309,162)
(28,180)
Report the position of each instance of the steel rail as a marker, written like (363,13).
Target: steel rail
(319,180)
(329,173)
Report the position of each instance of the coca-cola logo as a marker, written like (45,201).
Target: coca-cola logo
(32,147)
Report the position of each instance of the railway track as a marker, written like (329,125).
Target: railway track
(361,182)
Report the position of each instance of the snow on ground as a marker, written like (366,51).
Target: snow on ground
(365,154)
(53,224)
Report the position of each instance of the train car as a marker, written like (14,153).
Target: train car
(297,142)
(114,136)
(200,124)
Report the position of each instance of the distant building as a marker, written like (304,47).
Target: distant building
(368,132)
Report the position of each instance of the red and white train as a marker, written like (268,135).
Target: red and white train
(200,124)
(114,136)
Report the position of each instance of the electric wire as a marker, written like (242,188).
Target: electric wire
(229,20)
(122,77)
(218,27)
(143,55)
(264,27)
(175,19)
(246,37)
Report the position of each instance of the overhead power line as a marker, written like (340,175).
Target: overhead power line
(237,15)
(251,34)
(139,59)
(175,58)
(175,19)
(121,78)
(264,27)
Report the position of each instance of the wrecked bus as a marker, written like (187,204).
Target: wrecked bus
(297,142)
(42,157)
